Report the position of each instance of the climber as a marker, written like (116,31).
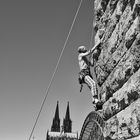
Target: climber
(84,74)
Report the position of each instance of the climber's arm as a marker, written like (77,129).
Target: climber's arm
(91,62)
(86,53)
(95,46)
(90,51)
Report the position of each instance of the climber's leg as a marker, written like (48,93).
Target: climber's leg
(91,83)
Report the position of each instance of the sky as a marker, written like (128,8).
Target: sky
(32,36)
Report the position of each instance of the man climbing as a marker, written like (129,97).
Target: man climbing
(84,74)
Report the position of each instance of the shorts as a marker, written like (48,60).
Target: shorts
(82,75)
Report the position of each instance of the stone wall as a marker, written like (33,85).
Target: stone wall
(117,66)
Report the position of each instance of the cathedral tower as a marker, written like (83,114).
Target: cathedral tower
(56,120)
(67,123)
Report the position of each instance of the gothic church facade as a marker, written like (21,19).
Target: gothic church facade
(64,132)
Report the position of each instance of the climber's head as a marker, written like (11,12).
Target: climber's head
(82,49)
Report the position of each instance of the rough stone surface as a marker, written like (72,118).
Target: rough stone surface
(125,124)
(100,8)
(117,66)
(117,34)
(128,65)
(123,97)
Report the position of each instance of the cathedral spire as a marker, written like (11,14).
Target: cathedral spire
(67,123)
(67,116)
(56,120)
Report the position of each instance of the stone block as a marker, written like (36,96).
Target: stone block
(125,44)
(103,14)
(124,125)
(100,7)
(123,97)
(121,38)
(128,65)
(111,15)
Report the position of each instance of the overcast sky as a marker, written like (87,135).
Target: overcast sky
(32,35)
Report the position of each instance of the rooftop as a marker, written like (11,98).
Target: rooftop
(59,134)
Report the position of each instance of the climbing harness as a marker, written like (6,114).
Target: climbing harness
(55,70)
(81,77)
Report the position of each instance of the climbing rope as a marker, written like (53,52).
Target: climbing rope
(55,70)
(91,39)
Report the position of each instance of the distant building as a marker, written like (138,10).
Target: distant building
(65,132)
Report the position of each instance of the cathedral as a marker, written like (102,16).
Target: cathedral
(65,131)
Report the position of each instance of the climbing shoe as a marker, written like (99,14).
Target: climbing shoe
(99,105)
